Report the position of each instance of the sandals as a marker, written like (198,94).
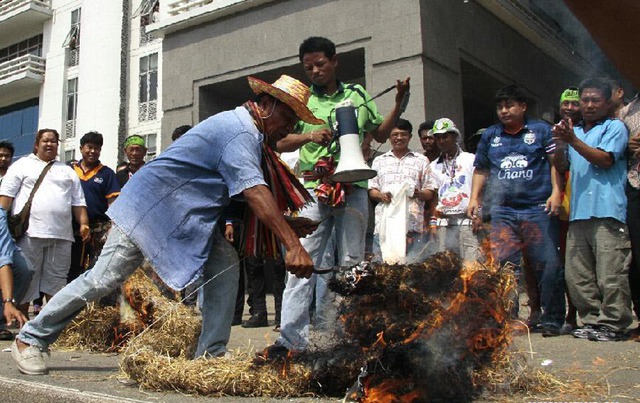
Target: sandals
(6,335)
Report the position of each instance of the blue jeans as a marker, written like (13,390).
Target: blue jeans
(10,254)
(118,260)
(22,273)
(348,224)
(534,235)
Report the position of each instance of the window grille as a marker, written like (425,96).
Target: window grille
(148,11)
(72,41)
(70,129)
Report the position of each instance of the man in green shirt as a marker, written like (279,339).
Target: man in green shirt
(341,210)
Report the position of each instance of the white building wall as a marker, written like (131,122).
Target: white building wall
(52,94)
(138,51)
(98,75)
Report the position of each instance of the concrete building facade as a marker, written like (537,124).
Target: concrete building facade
(457,52)
(147,66)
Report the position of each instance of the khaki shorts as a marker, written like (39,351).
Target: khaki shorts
(50,260)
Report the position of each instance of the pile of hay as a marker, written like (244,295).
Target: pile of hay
(94,329)
(141,308)
(433,331)
(428,326)
(394,318)
(235,376)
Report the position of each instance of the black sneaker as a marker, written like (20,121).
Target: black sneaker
(605,333)
(274,352)
(257,320)
(583,332)
(534,320)
(550,330)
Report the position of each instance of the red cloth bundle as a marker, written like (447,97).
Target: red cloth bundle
(290,196)
(328,192)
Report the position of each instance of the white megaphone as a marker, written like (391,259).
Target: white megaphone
(351,167)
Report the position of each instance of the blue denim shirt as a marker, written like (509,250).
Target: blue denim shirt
(169,208)
(7,246)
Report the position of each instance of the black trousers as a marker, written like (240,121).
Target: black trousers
(633,223)
(256,271)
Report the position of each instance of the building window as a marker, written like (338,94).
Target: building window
(148,88)
(151,142)
(31,46)
(149,12)
(69,156)
(72,108)
(72,41)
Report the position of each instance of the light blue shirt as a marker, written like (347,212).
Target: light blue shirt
(7,246)
(170,207)
(599,192)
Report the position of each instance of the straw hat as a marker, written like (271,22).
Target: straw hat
(290,91)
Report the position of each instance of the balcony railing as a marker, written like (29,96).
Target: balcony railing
(7,6)
(176,15)
(181,6)
(33,66)
(20,16)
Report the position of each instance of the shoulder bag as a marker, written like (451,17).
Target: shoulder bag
(19,223)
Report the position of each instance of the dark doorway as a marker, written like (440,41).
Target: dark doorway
(225,95)
(478,91)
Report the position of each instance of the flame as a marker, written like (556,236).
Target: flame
(286,364)
(380,341)
(416,333)
(390,390)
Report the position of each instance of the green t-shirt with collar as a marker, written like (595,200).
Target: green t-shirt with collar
(322,106)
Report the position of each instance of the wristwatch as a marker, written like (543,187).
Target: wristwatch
(13,301)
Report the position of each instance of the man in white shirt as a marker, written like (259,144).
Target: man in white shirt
(47,242)
(452,172)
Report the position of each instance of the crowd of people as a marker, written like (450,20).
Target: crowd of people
(550,199)
(558,203)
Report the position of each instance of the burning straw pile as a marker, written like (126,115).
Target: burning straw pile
(142,307)
(434,331)
(418,331)
(426,328)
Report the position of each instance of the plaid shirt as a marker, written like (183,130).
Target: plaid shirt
(413,168)
(630,115)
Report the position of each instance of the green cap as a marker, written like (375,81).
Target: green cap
(570,94)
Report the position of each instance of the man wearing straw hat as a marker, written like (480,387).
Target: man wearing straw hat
(169,217)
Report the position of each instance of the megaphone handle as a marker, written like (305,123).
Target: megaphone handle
(334,142)
(334,138)
(405,102)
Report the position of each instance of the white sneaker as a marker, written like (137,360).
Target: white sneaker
(224,356)
(30,361)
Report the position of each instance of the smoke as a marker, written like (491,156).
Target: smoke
(414,332)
